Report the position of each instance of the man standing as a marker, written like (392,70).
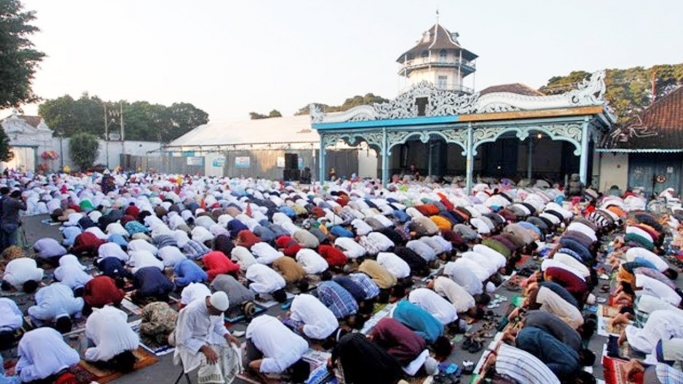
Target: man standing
(10,217)
(202,339)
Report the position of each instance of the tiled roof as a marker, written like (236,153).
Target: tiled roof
(660,126)
(517,88)
(31,120)
(435,38)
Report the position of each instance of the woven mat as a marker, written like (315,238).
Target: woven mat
(86,373)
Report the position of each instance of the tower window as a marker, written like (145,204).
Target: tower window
(421,103)
(425,54)
(441,82)
(442,55)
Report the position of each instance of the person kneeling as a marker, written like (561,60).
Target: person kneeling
(114,340)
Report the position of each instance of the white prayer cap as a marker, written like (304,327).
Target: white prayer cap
(219,300)
(431,366)
(490,287)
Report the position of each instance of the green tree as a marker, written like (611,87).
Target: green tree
(275,113)
(83,149)
(141,120)
(257,116)
(6,153)
(18,59)
(628,91)
(355,101)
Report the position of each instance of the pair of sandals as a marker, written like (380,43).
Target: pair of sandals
(473,344)
(443,378)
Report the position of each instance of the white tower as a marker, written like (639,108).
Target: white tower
(439,59)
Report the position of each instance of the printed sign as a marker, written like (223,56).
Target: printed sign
(301,162)
(242,162)
(219,161)
(195,161)
(280,162)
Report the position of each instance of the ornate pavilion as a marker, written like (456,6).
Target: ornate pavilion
(445,127)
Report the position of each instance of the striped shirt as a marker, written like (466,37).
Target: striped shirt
(364,281)
(523,366)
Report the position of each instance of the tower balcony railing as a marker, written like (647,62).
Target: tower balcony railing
(466,65)
(455,87)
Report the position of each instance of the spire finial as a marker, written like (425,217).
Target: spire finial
(437,15)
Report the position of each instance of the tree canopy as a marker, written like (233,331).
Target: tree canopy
(18,59)
(6,153)
(630,90)
(83,149)
(368,99)
(258,116)
(141,120)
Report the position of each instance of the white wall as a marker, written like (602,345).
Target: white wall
(367,163)
(210,169)
(135,148)
(614,171)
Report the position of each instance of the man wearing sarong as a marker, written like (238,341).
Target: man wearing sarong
(203,342)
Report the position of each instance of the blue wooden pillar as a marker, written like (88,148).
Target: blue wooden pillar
(469,170)
(321,175)
(583,163)
(385,158)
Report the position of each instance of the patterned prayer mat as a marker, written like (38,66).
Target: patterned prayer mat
(615,371)
(86,373)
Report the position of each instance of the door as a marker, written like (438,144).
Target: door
(658,170)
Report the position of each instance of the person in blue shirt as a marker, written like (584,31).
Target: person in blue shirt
(5,378)
(424,324)
(187,271)
(114,268)
(151,285)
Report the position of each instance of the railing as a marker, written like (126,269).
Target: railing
(446,87)
(438,62)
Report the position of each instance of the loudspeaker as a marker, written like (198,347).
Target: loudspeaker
(291,161)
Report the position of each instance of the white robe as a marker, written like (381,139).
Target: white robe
(108,328)
(42,353)
(196,328)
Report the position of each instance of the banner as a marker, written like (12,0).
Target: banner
(219,161)
(242,162)
(195,161)
(280,162)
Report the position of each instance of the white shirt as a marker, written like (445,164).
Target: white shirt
(193,292)
(21,270)
(10,315)
(362,228)
(658,262)
(483,261)
(583,228)
(464,277)
(174,221)
(394,264)
(319,321)
(657,289)
(43,352)
(201,234)
(498,260)
(204,221)
(265,253)
(54,301)
(196,328)
(141,245)
(142,259)
(572,262)
(264,279)
(243,256)
(350,247)
(171,256)
(423,249)
(72,275)
(311,261)
(639,232)
(116,228)
(446,245)
(280,346)
(555,304)
(457,295)
(70,260)
(436,305)
(109,330)
(112,250)
(98,232)
(467,264)
(382,242)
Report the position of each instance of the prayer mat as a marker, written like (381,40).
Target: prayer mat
(608,311)
(267,301)
(374,319)
(158,350)
(87,371)
(130,307)
(239,316)
(615,371)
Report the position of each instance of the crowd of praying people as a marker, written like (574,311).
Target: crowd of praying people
(191,251)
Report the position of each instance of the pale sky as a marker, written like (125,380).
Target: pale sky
(233,57)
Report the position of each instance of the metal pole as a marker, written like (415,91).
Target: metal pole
(583,167)
(106,135)
(322,177)
(385,159)
(530,158)
(429,165)
(470,159)
(123,138)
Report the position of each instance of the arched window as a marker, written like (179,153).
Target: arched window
(425,54)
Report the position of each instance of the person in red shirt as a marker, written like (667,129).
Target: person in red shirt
(101,291)
(86,244)
(288,246)
(216,263)
(574,284)
(246,238)
(334,257)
